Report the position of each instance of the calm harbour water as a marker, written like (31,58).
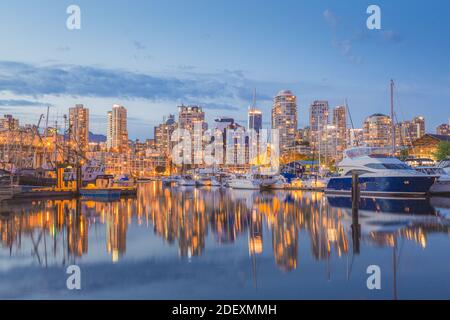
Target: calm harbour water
(212,243)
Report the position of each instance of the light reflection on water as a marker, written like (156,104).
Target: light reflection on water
(216,243)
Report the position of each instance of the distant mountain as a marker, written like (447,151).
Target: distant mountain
(96,137)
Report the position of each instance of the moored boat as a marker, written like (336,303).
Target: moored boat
(379,175)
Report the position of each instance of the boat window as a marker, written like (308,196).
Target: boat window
(375,166)
(397,166)
(389,166)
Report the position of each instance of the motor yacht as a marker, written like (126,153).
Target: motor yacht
(379,175)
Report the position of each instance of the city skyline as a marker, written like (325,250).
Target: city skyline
(138,67)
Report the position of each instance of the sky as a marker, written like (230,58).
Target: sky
(152,56)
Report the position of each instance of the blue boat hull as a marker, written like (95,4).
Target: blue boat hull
(383,186)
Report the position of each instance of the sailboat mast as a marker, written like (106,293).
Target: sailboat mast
(392,119)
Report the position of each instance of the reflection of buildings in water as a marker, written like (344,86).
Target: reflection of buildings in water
(285,240)
(116,229)
(255,238)
(54,229)
(59,230)
(384,220)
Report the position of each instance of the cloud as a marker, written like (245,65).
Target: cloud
(391,36)
(63,48)
(218,106)
(22,103)
(87,81)
(345,47)
(139,45)
(331,18)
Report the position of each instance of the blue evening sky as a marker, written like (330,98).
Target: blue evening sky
(151,56)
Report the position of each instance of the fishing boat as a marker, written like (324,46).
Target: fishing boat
(379,175)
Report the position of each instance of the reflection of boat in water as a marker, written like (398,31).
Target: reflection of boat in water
(379,175)
(390,215)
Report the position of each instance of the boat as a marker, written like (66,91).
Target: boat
(186,181)
(442,183)
(170,180)
(379,175)
(445,165)
(207,181)
(277,182)
(441,186)
(309,183)
(123,181)
(107,193)
(247,182)
(90,172)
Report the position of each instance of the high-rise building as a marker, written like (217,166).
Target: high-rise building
(318,120)
(254,119)
(163,134)
(117,135)
(443,129)
(340,123)
(284,119)
(408,131)
(192,119)
(377,130)
(79,128)
(418,130)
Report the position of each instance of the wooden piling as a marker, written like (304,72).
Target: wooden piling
(356,227)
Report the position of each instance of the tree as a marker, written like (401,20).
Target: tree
(443,150)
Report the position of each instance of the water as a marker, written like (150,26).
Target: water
(187,243)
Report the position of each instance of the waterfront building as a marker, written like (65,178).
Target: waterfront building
(426,146)
(284,119)
(377,130)
(117,133)
(318,120)
(79,128)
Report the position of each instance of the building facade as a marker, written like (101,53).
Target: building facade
(377,130)
(340,124)
(192,119)
(117,133)
(443,129)
(318,120)
(284,119)
(79,128)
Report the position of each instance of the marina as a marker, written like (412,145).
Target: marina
(251,244)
